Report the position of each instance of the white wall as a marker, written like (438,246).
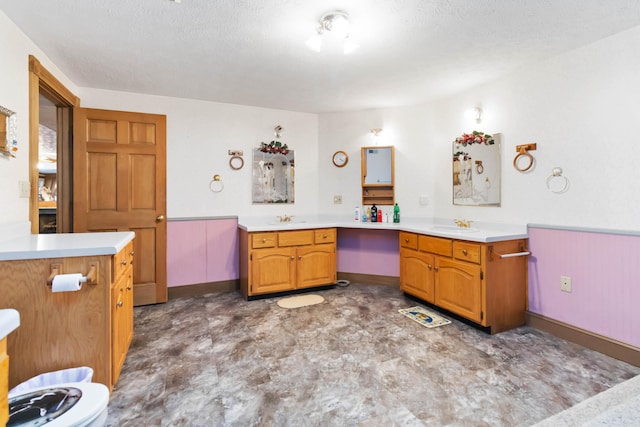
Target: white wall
(14,95)
(581,108)
(199,136)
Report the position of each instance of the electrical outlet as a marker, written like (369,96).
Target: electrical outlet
(565,283)
(424,200)
(337,199)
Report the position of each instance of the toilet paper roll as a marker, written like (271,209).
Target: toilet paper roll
(66,282)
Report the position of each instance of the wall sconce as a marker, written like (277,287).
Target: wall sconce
(474,114)
(376,134)
(336,23)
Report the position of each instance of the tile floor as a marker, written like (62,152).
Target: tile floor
(352,360)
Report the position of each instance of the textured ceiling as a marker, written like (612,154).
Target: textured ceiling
(252,52)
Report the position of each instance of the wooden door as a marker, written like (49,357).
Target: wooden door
(119,174)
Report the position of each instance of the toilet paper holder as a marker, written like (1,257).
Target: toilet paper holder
(91,278)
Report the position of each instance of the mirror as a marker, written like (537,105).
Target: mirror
(8,132)
(377,175)
(476,170)
(273,176)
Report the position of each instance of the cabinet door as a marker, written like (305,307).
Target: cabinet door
(458,288)
(417,274)
(272,270)
(118,328)
(316,266)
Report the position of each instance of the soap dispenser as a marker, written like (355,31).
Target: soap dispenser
(374,214)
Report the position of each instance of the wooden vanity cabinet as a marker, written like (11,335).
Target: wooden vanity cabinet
(4,382)
(469,279)
(89,327)
(278,261)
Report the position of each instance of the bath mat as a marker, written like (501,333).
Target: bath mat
(424,317)
(300,301)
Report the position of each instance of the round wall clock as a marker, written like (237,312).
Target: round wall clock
(340,158)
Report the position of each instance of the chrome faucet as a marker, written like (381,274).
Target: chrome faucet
(462,223)
(285,218)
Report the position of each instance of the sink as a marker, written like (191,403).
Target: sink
(455,229)
(9,320)
(292,222)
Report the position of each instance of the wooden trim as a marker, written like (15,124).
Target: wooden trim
(203,288)
(41,79)
(52,86)
(370,279)
(610,347)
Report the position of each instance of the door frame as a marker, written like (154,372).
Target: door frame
(41,80)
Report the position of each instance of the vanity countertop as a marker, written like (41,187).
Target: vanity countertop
(478,232)
(9,321)
(36,246)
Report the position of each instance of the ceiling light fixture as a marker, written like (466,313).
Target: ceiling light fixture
(335,23)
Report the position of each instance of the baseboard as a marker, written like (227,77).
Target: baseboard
(203,288)
(369,279)
(610,347)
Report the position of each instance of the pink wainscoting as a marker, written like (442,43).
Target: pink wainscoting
(605,274)
(202,251)
(368,252)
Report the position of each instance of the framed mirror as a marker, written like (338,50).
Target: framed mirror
(377,175)
(8,132)
(476,170)
(273,177)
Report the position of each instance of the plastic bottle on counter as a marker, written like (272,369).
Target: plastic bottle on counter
(379,215)
(374,214)
(368,214)
(357,214)
(396,213)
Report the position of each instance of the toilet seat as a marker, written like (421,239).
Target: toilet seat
(89,409)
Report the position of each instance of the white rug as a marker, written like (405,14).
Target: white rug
(300,301)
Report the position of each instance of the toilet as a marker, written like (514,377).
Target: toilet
(73,404)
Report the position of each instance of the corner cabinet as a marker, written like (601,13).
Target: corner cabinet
(279,261)
(470,279)
(89,327)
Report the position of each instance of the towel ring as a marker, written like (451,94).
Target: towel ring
(216,184)
(523,151)
(236,162)
(564,184)
(479,167)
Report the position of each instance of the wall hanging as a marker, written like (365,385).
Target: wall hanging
(273,171)
(476,169)
(8,132)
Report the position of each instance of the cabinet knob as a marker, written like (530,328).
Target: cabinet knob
(129,287)
(464,252)
(120,303)
(406,240)
(324,236)
(430,266)
(123,262)
(293,258)
(160,218)
(299,257)
(132,253)
(435,268)
(264,240)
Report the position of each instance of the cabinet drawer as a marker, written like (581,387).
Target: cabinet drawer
(122,260)
(435,245)
(408,240)
(263,240)
(295,238)
(325,235)
(466,251)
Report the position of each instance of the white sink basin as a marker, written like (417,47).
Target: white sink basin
(292,222)
(9,320)
(455,229)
